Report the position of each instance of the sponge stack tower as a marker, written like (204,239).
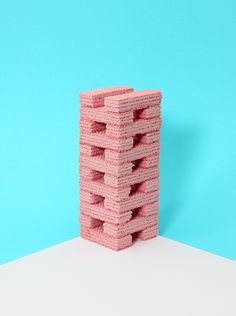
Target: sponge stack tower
(119,165)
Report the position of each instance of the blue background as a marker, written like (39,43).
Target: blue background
(51,50)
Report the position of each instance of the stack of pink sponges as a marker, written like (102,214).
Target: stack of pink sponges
(119,165)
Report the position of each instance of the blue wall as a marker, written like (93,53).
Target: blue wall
(50,50)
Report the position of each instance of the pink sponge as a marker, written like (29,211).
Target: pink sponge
(119,165)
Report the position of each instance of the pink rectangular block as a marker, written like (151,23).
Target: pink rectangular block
(90,198)
(137,176)
(149,185)
(100,139)
(89,174)
(150,161)
(89,221)
(133,101)
(138,152)
(98,211)
(88,126)
(150,138)
(91,150)
(99,188)
(141,126)
(95,98)
(137,200)
(148,209)
(149,112)
(148,233)
(97,235)
(136,224)
(102,116)
(100,164)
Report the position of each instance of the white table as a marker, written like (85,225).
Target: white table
(156,277)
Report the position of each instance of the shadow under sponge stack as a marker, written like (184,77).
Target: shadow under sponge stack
(119,165)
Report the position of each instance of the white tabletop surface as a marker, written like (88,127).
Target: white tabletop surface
(156,277)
